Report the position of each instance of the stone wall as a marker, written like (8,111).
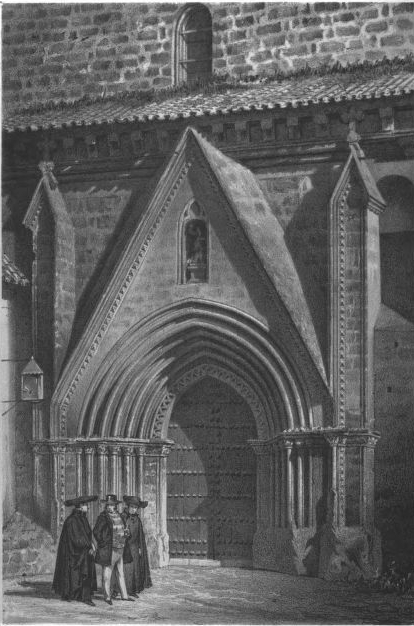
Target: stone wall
(27,548)
(394,408)
(16,415)
(66,51)
(15,319)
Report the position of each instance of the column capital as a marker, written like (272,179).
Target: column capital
(102,449)
(140,449)
(158,447)
(128,450)
(260,448)
(114,449)
(40,448)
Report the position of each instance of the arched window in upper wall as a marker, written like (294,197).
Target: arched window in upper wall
(194,245)
(397,245)
(193,45)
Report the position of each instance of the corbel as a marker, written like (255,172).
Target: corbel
(267,128)
(163,139)
(137,141)
(387,118)
(292,122)
(91,146)
(69,147)
(114,144)
(218,133)
(241,131)
(352,117)
(321,123)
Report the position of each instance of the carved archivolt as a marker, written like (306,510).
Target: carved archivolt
(196,374)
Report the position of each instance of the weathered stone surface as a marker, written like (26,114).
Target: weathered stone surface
(94,28)
(27,548)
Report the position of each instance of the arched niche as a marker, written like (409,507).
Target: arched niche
(193,45)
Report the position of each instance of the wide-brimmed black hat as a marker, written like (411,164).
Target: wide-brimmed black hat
(135,501)
(80,500)
(111,498)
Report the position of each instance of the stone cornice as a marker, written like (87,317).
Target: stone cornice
(107,445)
(316,438)
(316,123)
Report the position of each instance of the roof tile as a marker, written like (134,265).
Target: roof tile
(253,97)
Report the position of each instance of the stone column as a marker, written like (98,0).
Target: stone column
(301,452)
(79,470)
(311,503)
(277,485)
(41,481)
(139,466)
(283,487)
(102,469)
(264,497)
(129,470)
(290,514)
(114,452)
(272,494)
(333,442)
(159,452)
(90,481)
(367,486)
(58,488)
(162,489)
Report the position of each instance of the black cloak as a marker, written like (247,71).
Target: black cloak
(75,577)
(137,574)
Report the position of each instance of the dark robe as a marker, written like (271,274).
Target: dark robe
(75,577)
(137,574)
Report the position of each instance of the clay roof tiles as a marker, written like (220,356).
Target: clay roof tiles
(250,97)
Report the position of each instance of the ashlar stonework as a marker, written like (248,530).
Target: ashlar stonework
(222,295)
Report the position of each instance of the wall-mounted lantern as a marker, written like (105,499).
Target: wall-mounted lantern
(32,382)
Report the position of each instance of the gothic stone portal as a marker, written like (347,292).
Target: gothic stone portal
(211,475)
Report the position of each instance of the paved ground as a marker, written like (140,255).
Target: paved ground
(214,595)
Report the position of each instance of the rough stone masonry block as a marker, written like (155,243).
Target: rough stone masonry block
(139,21)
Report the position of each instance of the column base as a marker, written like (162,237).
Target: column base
(288,550)
(158,550)
(273,550)
(349,553)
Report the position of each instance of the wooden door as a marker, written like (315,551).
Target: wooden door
(211,475)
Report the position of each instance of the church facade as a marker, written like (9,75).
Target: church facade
(222,280)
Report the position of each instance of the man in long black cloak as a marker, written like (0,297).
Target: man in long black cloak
(75,577)
(137,574)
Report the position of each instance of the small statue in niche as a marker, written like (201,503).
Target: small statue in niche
(196,251)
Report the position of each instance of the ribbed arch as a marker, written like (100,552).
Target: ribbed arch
(142,371)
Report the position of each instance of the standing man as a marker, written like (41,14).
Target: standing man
(75,577)
(110,534)
(137,573)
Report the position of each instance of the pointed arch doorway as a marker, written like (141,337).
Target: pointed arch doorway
(211,475)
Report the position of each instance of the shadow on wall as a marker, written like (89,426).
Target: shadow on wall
(397,245)
(306,238)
